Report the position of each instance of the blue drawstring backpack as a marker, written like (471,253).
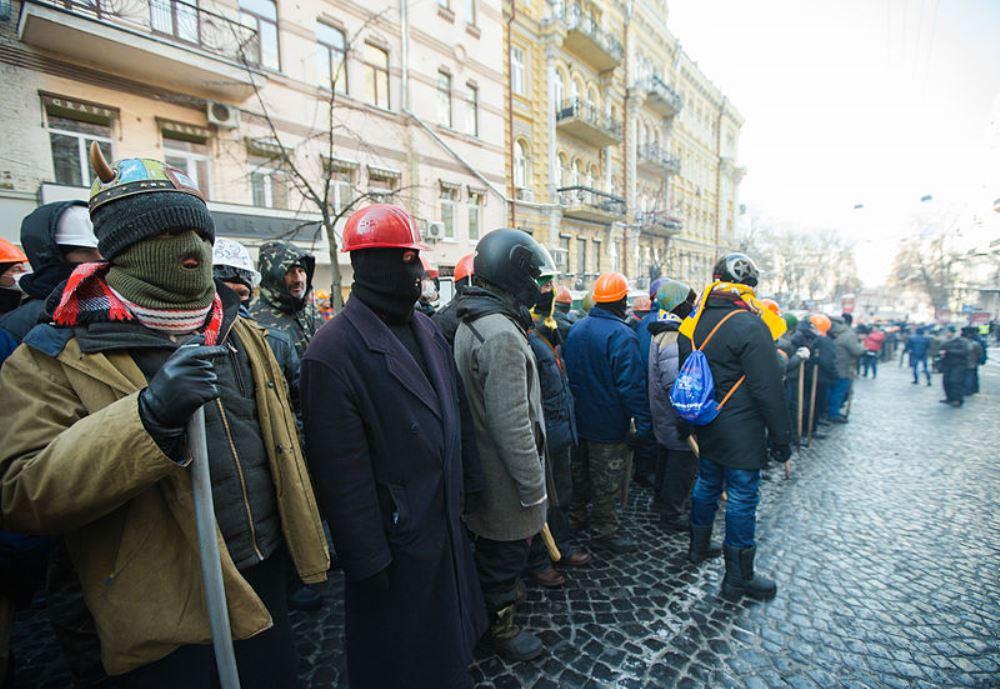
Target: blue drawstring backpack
(693,392)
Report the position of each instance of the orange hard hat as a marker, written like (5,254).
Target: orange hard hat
(464,269)
(9,253)
(821,322)
(381,226)
(642,303)
(429,270)
(563,295)
(772,306)
(610,287)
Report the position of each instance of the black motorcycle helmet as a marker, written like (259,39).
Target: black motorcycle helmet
(513,261)
(738,268)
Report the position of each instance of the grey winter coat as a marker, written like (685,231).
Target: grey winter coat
(498,369)
(663,365)
(848,347)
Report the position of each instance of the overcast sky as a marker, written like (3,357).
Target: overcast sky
(873,102)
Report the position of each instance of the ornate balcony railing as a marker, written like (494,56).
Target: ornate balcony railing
(577,20)
(653,154)
(590,114)
(659,221)
(176,20)
(579,195)
(662,94)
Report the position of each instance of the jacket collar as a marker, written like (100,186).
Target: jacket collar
(606,315)
(399,362)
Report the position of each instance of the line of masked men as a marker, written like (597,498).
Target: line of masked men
(439,451)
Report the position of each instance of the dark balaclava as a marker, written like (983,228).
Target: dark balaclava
(386,284)
(151,273)
(618,308)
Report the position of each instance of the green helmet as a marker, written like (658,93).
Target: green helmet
(587,302)
(791,321)
(672,293)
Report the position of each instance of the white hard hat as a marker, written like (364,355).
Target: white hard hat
(74,228)
(227,252)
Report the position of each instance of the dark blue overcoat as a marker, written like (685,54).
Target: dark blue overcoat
(391,454)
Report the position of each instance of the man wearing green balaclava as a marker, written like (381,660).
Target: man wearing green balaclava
(96,405)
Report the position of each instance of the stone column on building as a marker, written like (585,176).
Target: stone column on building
(550,75)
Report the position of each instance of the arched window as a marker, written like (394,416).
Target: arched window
(592,98)
(559,89)
(577,173)
(563,171)
(520,164)
(576,88)
(591,175)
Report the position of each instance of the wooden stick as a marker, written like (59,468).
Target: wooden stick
(693,444)
(788,469)
(550,543)
(812,405)
(802,394)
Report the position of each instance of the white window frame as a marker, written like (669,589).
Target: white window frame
(270,174)
(475,210)
(444,86)
(83,148)
(518,69)
(191,169)
(521,158)
(472,109)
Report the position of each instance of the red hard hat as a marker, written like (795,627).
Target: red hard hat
(429,270)
(381,226)
(9,253)
(464,269)
(610,287)
(563,295)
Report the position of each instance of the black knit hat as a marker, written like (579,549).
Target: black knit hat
(125,221)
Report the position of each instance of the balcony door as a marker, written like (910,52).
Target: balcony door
(175,18)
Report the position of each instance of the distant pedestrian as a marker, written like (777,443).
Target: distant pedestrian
(873,344)
(976,357)
(446,318)
(285,286)
(848,349)
(918,346)
(954,363)
(564,314)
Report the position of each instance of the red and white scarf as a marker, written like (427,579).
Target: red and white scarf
(87,298)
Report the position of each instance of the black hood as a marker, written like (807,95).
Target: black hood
(478,302)
(38,238)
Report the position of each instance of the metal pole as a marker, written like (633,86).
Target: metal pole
(208,548)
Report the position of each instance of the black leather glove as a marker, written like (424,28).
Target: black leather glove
(781,453)
(185,382)
(684,429)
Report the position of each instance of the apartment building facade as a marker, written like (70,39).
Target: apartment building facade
(264,103)
(607,164)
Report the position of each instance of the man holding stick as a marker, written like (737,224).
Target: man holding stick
(95,448)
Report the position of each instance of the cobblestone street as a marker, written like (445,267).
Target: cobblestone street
(884,545)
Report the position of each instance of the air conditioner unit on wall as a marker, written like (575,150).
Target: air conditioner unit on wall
(222,115)
(435,230)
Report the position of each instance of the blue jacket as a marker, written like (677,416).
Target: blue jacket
(557,400)
(917,346)
(607,377)
(643,332)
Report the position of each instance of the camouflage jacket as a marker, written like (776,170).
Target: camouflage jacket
(276,309)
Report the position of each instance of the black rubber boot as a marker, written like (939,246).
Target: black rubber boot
(740,579)
(701,547)
(510,642)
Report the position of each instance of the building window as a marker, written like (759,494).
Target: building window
(444,99)
(377,75)
(176,19)
(70,140)
(581,257)
(342,181)
(520,164)
(517,70)
(559,90)
(382,185)
(475,213)
(472,109)
(563,171)
(268,184)
(190,157)
(262,16)
(562,256)
(598,245)
(331,57)
(470,12)
(449,199)
(577,173)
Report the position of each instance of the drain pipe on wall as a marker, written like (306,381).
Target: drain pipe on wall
(510,113)
(404,26)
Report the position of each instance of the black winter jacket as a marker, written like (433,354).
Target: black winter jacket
(447,319)
(742,346)
(557,400)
